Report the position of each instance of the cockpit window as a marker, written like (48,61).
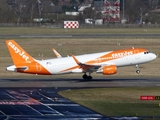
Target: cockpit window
(146,52)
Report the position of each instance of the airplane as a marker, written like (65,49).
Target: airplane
(103,62)
(56,53)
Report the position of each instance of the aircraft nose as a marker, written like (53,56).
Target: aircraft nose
(153,56)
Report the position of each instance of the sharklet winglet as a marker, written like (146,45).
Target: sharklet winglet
(56,53)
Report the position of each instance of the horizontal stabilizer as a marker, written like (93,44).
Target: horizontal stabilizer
(13,68)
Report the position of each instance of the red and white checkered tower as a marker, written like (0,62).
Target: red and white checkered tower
(111,11)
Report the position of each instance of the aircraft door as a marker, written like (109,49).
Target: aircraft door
(136,54)
(38,67)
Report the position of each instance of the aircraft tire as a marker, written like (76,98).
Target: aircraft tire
(89,78)
(137,71)
(85,77)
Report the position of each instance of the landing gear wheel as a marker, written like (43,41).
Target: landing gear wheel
(89,78)
(85,77)
(137,71)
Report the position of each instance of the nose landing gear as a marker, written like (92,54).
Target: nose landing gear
(137,69)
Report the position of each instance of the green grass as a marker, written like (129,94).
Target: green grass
(44,30)
(117,101)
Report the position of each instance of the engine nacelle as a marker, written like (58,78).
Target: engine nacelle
(109,70)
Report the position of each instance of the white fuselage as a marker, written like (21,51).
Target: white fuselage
(63,65)
(104,62)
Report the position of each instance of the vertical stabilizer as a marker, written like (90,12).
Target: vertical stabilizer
(18,54)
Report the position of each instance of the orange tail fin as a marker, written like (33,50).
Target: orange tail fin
(18,54)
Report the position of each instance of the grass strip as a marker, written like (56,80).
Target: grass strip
(45,30)
(117,101)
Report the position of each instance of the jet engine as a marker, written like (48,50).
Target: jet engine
(109,70)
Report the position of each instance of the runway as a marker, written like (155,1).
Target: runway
(37,99)
(79,83)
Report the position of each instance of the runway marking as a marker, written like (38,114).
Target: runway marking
(63,104)
(5,114)
(18,103)
(10,96)
(58,113)
(46,97)
(35,110)
(47,104)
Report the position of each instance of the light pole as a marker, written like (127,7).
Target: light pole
(92,15)
(123,9)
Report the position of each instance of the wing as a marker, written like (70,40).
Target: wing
(86,67)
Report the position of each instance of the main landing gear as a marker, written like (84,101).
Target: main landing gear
(86,77)
(137,69)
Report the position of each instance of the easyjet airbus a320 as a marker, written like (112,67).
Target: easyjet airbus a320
(104,62)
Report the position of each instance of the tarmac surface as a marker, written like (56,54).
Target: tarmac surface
(78,83)
(40,104)
(37,99)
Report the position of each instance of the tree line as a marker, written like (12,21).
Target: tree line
(25,13)
(142,10)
